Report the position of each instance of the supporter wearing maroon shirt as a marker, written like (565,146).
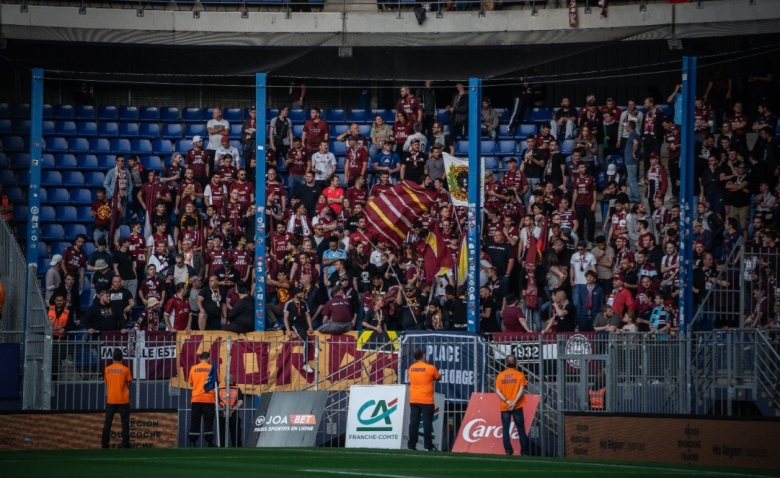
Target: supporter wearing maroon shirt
(410,106)
(567,215)
(314,131)
(242,258)
(273,185)
(279,240)
(382,186)
(152,286)
(153,191)
(739,123)
(655,182)
(494,192)
(215,192)
(74,260)
(245,189)
(177,310)
(215,256)
(189,190)
(198,159)
(610,107)
(357,161)
(512,318)
(543,139)
(702,117)
(514,180)
(297,163)
(337,316)
(357,194)
(651,131)
(172,174)
(585,202)
(303,266)
(137,247)
(401,130)
(226,171)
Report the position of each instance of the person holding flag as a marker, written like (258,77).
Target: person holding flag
(203,379)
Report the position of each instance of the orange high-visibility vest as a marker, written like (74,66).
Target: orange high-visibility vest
(58,323)
(228,396)
(596,398)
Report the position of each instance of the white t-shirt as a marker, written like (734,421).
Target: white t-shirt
(215,140)
(322,165)
(231,150)
(580,264)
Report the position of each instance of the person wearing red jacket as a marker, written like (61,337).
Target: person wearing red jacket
(621,298)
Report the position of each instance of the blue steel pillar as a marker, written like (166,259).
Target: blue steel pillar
(260,200)
(474,212)
(36,145)
(687,199)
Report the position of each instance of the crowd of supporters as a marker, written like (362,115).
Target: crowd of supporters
(582,241)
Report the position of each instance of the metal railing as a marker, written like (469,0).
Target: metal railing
(714,372)
(721,304)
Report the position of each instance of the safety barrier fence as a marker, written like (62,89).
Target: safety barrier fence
(703,373)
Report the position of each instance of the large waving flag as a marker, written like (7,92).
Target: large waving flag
(391,214)
(438,260)
(457,172)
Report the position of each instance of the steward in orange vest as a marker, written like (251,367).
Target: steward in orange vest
(231,399)
(58,315)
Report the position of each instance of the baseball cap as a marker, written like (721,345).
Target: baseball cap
(591,102)
(225,139)
(611,169)
(510,160)
(102,241)
(196,139)
(55,259)
(696,223)
(619,276)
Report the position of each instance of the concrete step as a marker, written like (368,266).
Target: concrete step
(350,6)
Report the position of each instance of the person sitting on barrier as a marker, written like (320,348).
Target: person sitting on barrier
(510,388)
(337,316)
(241,318)
(297,320)
(118,379)
(607,321)
(231,399)
(104,315)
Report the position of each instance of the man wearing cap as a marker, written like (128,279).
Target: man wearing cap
(621,298)
(53,276)
(225,149)
(703,235)
(413,164)
(198,160)
(337,315)
(217,127)
(240,318)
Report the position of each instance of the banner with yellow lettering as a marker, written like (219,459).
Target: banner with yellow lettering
(262,362)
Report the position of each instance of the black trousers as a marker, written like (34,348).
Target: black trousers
(124,413)
(234,425)
(585,215)
(419,410)
(205,411)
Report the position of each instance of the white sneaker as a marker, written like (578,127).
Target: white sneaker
(308,369)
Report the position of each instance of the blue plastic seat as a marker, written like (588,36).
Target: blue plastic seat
(237,144)
(13,144)
(297,115)
(48,128)
(86,129)
(235,130)
(149,114)
(3,161)
(47,112)
(567,146)
(80,196)
(442,115)
(207,113)
(191,115)
(128,113)
(64,162)
(87,161)
(169,114)
(66,214)
(196,130)
(64,112)
(338,148)
(172,131)
(85,112)
(389,116)
(246,113)
(73,179)
(365,130)
(504,114)
(108,113)
(337,130)
(22,110)
(358,116)
(340,162)
(488,147)
(183,145)
(462,147)
(336,116)
(21,215)
(23,177)
(506,148)
(128,130)
(22,127)
(94,179)
(503,132)
(149,131)
(46,214)
(106,161)
(538,115)
(162,147)
(57,196)
(6,126)
(52,232)
(233,115)
(491,163)
(526,130)
(83,213)
(120,146)
(99,145)
(20,161)
(5,110)
(47,161)
(54,144)
(375,112)
(141,146)
(297,130)
(108,129)
(152,162)
(271,113)
(78,145)
(7,177)
(15,195)
(73,230)
(60,246)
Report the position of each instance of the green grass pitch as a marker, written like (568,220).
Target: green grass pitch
(325,462)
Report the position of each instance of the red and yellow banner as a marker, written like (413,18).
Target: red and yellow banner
(262,362)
